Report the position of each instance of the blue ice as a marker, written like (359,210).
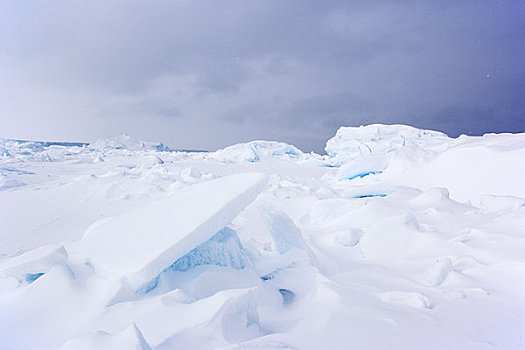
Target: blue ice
(370,195)
(283,230)
(361,175)
(31,277)
(288,296)
(223,249)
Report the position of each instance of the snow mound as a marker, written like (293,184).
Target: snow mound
(6,182)
(126,142)
(469,169)
(353,142)
(129,339)
(255,151)
(401,155)
(28,267)
(361,167)
(412,299)
(438,272)
(142,243)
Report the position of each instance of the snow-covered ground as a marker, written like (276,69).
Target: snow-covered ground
(398,238)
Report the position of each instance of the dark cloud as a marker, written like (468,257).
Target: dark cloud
(287,70)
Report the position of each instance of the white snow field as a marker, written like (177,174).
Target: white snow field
(398,238)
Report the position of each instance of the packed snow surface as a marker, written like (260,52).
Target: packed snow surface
(397,238)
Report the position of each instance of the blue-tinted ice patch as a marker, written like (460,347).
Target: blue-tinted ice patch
(16,171)
(367,192)
(288,296)
(361,175)
(283,230)
(222,249)
(31,277)
(371,195)
(268,277)
(361,167)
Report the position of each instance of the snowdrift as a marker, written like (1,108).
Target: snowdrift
(469,167)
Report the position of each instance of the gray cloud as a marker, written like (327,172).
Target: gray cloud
(287,70)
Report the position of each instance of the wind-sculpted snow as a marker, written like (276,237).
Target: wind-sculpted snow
(7,183)
(403,155)
(129,339)
(399,238)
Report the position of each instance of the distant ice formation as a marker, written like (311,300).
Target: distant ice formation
(126,142)
(255,151)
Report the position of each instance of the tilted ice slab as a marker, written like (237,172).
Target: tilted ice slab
(142,243)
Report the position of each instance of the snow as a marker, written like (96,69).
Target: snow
(130,338)
(411,299)
(31,265)
(397,238)
(363,166)
(7,183)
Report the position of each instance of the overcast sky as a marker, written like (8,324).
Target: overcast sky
(207,74)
